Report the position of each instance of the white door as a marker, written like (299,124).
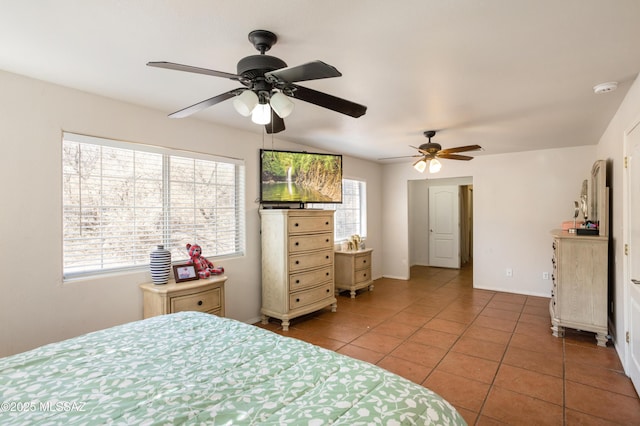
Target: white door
(444,226)
(633,259)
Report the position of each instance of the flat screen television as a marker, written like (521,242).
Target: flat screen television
(300,177)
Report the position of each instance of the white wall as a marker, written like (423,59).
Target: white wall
(518,199)
(418,200)
(37,307)
(611,148)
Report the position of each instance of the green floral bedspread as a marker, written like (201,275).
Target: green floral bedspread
(194,368)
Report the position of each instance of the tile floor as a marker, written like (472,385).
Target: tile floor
(490,354)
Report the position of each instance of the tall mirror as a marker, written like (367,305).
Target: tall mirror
(599,197)
(583,206)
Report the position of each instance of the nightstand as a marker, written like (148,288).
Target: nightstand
(353,270)
(204,295)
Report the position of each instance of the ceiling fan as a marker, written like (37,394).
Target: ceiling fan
(268,83)
(430,152)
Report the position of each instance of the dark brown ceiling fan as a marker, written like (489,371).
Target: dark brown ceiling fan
(429,153)
(265,79)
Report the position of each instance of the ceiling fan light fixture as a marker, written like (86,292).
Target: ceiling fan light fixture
(245,103)
(261,114)
(281,104)
(434,166)
(420,165)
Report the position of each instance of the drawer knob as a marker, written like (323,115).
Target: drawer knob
(326,223)
(328,290)
(365,275)
(297,262)
(327,256)
(364,261)
(199,302)
(298,299)
(295,224)
(297,281)
(297,243)
(327,240)
(327,274)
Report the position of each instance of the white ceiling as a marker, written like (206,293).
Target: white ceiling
(510,75)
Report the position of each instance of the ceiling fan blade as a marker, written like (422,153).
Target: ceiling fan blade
(189,68)
(276,125)
(310,71)
(402,156)
(204,104)
(326,101)
(461,149)
(454,156)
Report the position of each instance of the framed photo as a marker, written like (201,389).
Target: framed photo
(185,272)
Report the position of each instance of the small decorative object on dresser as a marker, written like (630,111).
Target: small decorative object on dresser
(353,270)
(204,267)
(355,242)
(160,265)
(205,295)
(185,272)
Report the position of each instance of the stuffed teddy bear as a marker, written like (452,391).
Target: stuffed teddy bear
(203,266)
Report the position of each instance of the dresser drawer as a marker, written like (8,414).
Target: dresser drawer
(301,262)
(204,302)
(298,243)
(307,297)
(363,275)
(363,261)
(305,225)
(310,279)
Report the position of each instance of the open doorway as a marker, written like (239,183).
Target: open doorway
(421,227)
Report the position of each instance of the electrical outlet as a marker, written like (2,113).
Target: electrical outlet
(545,275)
(509,272)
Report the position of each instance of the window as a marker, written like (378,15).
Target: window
(351,215)
(121,200)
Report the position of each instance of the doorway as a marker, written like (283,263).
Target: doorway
(632,264)
(421,244)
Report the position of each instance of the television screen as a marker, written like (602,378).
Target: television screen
(300,177)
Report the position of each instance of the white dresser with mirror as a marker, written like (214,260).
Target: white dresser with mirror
(580,268)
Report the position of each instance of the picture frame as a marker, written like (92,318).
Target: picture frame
(185,272)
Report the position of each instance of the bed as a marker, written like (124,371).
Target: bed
(196,368)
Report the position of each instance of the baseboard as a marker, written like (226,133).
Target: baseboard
(393,277)
(253,320)
(510,290)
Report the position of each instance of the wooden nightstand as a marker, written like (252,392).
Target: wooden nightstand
(353,270)
(205,295)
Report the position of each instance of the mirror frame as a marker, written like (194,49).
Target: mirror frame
(599,197)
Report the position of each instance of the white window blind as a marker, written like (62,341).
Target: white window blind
(121,200)
(351,215)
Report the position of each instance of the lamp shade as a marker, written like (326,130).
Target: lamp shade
(420,165)
(261,114)
(245,102)
(434,166)
(281,104)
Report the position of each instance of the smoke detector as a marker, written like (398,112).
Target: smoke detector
(605,87)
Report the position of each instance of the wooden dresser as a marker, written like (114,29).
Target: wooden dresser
(297,263)
(205,295)
(353,270)
(579,294)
